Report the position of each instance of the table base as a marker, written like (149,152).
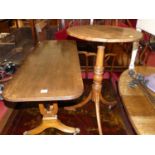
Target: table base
(96,100)
(95,94)
(50,120)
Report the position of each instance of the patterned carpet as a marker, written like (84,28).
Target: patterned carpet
(27,116)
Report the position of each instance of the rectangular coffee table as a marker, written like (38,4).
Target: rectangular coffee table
(50,73)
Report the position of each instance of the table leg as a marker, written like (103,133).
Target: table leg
(95,94)
(109,103)
(50,120)
(97,107)
(81,104)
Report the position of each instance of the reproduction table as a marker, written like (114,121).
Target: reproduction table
(50,73)
(140,110)
(104,34)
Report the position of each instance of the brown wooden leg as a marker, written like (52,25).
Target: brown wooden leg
(32,25)
(97,84)
(50,120)
(37,130)
(109,103)
(96,87)
(52,123)
(81,104)
(97,107)
(95,95)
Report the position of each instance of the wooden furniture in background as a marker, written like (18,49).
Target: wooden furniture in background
(40,27)
(103,34)
(5,25)
(28,23)
(32,25)
(88,60)
(140,111)
(50,73)
(86,66)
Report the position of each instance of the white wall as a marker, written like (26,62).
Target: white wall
(146,25)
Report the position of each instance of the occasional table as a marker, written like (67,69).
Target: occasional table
(50,73)
(140,110)
(104,34)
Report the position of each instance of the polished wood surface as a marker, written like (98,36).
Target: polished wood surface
(50,72)
(101,33)
(139,109)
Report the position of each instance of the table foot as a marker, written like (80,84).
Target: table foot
(98,117)
(97,107)
(52,124)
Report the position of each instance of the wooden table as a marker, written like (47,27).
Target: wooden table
(50,73)
(139,109)
(104,34)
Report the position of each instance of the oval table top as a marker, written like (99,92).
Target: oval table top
(102,33)
(140,110)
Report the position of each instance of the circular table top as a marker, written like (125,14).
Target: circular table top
(102,33)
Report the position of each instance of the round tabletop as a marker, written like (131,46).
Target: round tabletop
(102,33)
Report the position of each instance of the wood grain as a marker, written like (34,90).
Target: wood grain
(53,66)
(101,33)
(140,111)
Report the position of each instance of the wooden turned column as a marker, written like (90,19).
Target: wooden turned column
(32,25)
(97,84)
(95,93)
(53,109)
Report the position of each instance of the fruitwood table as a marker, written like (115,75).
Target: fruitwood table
(50,73)
(140,110)
(104,34)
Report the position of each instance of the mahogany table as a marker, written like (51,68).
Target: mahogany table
(140,110)
(104,34)
(50,73)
